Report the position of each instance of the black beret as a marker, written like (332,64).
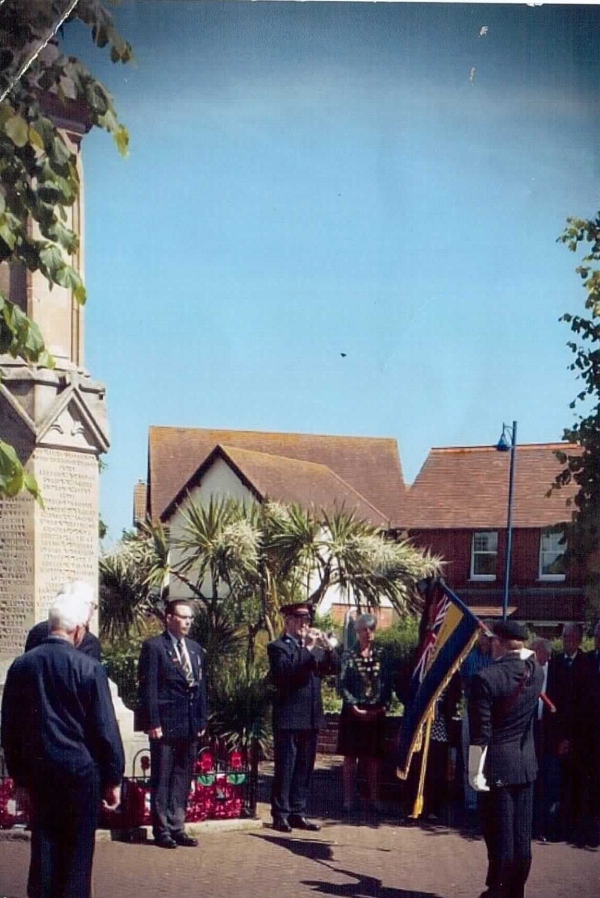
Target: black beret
(511,629)
(297,609)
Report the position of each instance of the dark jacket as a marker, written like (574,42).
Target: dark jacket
(58,715)
(592,700)
(296,674)
(89,645)
(366,682)
(164,698)
(566,688)
(502,707)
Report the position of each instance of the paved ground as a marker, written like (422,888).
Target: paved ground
(359,858)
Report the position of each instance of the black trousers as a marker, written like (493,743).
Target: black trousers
(507,817)
(294,753)
(64,817)
(171,771)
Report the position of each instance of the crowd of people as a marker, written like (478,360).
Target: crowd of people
(530,735)
(567,732)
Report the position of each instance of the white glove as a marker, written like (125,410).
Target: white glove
(477,780)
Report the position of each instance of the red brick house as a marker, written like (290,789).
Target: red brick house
(458,509)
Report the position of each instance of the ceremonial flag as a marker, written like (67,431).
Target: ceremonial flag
(447,634)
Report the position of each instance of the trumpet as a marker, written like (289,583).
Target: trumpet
(324,641)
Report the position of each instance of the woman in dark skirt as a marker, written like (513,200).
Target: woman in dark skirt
(366,694)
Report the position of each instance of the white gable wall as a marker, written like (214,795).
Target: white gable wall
(218,482)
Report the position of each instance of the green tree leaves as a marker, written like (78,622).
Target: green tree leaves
(15,127)
(583,468)
(39,175)
(13,477)
(19,336)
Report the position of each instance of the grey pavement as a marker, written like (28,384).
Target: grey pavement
(362,857)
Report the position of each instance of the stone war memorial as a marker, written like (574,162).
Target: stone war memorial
(57,421)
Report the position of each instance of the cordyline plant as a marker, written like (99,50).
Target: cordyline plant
(263,557)
(39,176)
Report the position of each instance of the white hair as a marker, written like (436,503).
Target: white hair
(72,606)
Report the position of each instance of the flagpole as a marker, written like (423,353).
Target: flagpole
(418,805)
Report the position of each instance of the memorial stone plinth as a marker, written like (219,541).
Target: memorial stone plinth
(57,422)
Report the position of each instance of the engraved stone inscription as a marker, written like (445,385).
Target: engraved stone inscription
(67,528)
(16,572)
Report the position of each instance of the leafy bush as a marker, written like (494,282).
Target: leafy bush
(120,663)
(332,702)
(400,640)
(241,701)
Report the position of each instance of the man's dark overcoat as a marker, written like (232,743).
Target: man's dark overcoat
(502,707)
(296,674)
(61,741)
(89,645)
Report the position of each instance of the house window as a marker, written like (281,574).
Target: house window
(484,551)
(552,556)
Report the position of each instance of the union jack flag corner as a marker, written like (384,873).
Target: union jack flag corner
(447,634)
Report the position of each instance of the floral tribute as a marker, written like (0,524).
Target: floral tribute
(217,794)
(12,813)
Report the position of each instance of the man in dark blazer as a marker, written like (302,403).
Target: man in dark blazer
(502,762)
(62,746)
(297,662)
(90,644)
(566,688)
(172,710)
(592,693)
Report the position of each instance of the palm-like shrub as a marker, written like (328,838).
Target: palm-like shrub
(241,704)
(133,583)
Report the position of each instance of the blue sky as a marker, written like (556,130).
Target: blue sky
(310,179)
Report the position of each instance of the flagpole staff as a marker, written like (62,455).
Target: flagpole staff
(418,805)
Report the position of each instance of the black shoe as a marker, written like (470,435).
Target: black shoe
(281,825)
(298,822)
(185,840)
(165,842)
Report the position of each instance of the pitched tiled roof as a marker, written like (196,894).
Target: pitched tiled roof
(468,487)
(369,465)
(287,480)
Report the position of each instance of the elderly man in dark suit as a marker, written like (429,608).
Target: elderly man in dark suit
(502,762)
(566,688)
(90,644)
(62,746)
(297,662)
(592,698)
(172,710)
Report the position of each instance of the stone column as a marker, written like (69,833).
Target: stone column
(56,419)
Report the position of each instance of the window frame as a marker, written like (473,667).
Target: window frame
(482,577)
(550,578)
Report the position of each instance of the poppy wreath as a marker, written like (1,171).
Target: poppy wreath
(11,813)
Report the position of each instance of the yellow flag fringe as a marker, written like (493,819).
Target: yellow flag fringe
(418,805)
(430,711)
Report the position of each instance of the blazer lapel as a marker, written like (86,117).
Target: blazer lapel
(195,662)
(172,655)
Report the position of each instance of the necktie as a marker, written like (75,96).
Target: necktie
(185,662)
